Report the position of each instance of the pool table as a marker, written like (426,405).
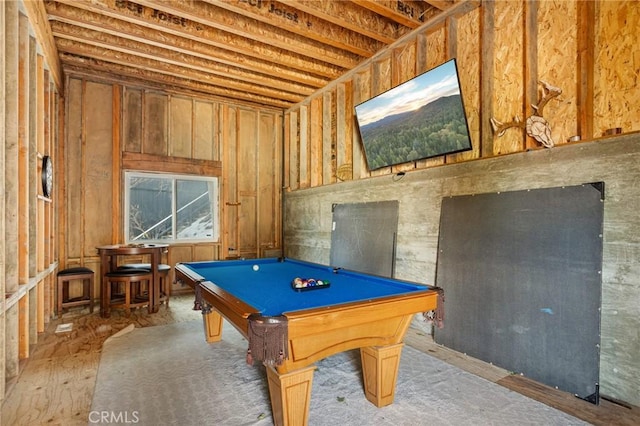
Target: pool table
(354,310)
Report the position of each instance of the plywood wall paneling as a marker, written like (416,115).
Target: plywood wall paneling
(556,42)
(508,61)
(180,127)
(99,203)
(269,217)
(247,152)
(468,60)
(230,201)
(248,238)
(116,149)
(73,168)
(205,138)
(132,120)
(155,125)
(617,67)
(200,252)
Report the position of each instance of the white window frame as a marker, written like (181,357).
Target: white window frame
(215,238)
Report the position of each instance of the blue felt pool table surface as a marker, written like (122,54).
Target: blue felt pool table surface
(269,289)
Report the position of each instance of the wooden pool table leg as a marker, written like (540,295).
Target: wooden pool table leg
(212,325)
(380,372)
(290,396)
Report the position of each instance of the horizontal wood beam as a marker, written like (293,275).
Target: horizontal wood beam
(252,31)
(355,18)
(159,163)
(124,59)
(287,16)
(141,52)
(66,24)
(91,68)
(212,37)
(411,14)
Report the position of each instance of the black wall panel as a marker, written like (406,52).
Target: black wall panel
(521,273)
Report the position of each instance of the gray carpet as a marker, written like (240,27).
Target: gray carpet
(168,375)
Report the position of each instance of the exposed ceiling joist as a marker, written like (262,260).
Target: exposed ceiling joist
(267,52)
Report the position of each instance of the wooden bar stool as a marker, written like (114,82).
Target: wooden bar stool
(163,270)
(65,277)
(123,289)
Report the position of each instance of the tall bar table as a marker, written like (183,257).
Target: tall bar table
(109,262)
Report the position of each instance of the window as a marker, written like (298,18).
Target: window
(170,208)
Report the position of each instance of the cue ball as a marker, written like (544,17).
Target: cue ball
(256,267)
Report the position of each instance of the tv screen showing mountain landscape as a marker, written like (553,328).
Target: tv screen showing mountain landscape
(421,118)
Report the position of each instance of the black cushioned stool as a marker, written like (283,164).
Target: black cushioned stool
(163,271)
(122,289)
(65,276)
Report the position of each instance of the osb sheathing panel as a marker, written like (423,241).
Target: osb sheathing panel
(97,179)
(362,92)
(436,55)
(404,69)
(404,63)
(617,66)
(557,46)
(381,81)
(508,73)
(467,58)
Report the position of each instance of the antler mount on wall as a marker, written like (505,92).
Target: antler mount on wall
(535,126)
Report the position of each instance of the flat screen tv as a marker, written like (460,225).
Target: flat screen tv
(420,118)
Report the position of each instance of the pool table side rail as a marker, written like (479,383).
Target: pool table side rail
(230,307)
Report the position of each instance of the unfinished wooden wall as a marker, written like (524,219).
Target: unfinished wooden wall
(112,127)
(28,131)
(503,49)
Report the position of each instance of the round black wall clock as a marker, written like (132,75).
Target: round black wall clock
(47,176)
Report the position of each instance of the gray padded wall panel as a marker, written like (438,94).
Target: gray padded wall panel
(363,237)
(521,272)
